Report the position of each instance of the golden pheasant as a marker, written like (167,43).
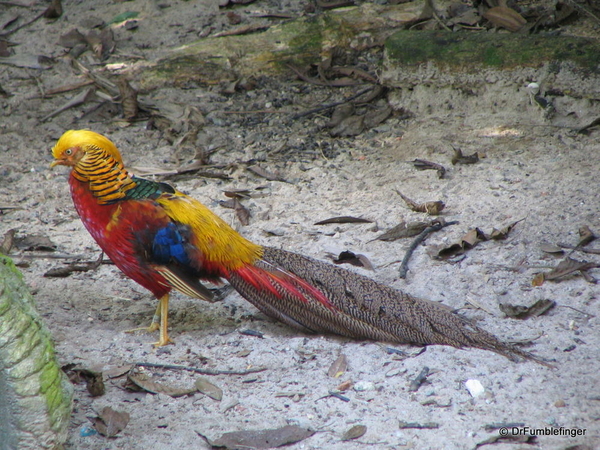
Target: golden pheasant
(164,240)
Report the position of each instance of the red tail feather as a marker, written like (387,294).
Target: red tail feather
(271,280)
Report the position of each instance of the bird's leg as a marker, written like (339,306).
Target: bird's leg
(154,325)
(163,312)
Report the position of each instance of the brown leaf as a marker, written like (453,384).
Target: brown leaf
(143,381)
(343,219)
(502,16)
(422,164)
(338,368)
(525,312)
(262,439)
(7,242)
(348,257)
(354,433)
(403,230)
(117,372)
(54,10)
(93,380)
(566,267)
(550,248)
(586,236)
(110,422)
(71,39)
(207,388)
(265,173)
(340,113)
(35,242)
(503,233)
(472,238)
(241,212)
(429,425)
(459,158)
(432,208)
(538,280)
(237,193)
(376,116)
(350,126)
(344,386)
(129,101)
(61,272)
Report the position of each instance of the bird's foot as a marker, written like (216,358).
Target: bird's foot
(149,329)
(162,343)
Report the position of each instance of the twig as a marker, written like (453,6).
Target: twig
(14,30)
(593,251)
(329,106)
(420,238)
(416,383)
(201,371)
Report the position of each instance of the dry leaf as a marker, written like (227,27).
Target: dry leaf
(340,113)
(403,230)
(586,236)
(468,241)
(207,388)
(93,380)
(432,208)
(7,242)
(338,368)
(54,10)
(266,174)
(343,219)
(61,272)
(566,267)
(502,16)
(117,372)
(550,248)
(377,116)
(344,386)
(241,212)
(35,242)
(525,312)
(129,101)
(354,433)
(350,126)
(430,425)
(459,158)
(422,164)
(72,39)
(143,381)
(261,439)
(110,422)
(358,260)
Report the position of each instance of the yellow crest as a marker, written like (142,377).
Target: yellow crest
(84,140)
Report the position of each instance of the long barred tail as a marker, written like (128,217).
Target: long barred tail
(323,298)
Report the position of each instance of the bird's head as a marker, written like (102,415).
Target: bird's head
(74,145)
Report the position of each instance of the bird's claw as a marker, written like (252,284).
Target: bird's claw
(149,329)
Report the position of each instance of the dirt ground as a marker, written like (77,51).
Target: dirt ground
(533,170)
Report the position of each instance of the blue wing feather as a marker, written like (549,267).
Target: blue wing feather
(169,246)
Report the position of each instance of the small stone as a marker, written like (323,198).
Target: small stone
(474,387)
(362,386)
(560,403)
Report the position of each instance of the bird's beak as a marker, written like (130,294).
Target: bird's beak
(55,163)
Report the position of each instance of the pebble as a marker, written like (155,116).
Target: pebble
(362,386)
(474,387)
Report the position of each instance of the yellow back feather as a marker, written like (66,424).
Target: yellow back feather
(217,241)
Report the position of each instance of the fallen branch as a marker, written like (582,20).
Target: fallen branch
(420,238)
(201,371)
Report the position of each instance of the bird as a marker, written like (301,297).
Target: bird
(166,240)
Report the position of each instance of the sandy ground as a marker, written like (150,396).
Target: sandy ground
(531,170)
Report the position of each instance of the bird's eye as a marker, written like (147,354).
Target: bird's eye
(68,151)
